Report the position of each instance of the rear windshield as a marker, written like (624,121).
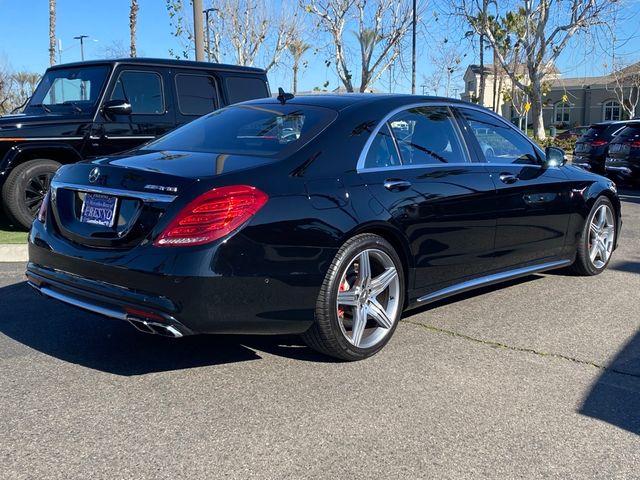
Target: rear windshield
(604,131)
(263,130)
(630,131)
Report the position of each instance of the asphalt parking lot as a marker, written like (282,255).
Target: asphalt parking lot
(536,379)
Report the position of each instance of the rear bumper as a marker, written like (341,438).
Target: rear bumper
(145,312)
(194,299)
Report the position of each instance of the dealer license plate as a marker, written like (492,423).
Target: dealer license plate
(99,209)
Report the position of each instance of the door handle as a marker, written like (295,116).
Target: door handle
(396,185)
(508,178)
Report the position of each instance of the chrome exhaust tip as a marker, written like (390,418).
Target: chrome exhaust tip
(154,328)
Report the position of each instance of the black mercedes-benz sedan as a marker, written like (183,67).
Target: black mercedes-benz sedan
(325,216)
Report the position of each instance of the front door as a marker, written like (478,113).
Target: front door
(145,90)
(418,167)
(533,200)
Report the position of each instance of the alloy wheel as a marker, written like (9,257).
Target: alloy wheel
(367,303)
(35,190)
(601,236)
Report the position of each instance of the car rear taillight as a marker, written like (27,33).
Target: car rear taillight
(635,144)
(212,215)
(598,143)
(42,211)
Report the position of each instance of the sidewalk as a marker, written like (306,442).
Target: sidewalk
(13,253)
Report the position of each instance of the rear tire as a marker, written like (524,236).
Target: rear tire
(24,190)
(598,238)
(361,300)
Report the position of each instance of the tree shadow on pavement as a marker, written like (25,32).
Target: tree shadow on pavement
(615,396)
(114,346)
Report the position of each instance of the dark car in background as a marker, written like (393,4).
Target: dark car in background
(591,149)
(572,133)
(324,216)
(87,109)
(623,158)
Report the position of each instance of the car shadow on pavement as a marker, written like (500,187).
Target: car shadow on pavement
(114,346)
(615,396)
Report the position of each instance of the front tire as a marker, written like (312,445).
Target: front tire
(360,301)
(25,188)
(597,240)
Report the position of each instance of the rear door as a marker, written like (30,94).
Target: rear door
(533,202)
(145,88)
(417,165)
(240,88)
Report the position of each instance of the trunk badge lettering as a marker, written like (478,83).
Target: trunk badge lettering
(161,188)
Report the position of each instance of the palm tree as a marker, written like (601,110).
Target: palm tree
(368,38)
(133,25)
(297,48)
(52,31)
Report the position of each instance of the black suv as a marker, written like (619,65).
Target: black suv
(83,110)
(592,147)
(623,159)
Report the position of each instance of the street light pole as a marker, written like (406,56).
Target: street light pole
(423,88)
(197,30)
(81,38)
(413,51)
(206,14)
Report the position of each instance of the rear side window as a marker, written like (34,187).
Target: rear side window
(197,94)
(240,89)
(260,130)
(427,135)
(382,151)
(143,90)
(499,142)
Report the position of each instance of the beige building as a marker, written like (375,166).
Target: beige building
(568,101)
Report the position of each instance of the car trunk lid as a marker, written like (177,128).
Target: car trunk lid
(116,202)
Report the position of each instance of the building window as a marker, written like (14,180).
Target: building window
(561,113)
(612,111)
(471,86)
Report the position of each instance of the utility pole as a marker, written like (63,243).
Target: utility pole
(81,38)
(197,30)
(423,88)
(413,51)
(206,14)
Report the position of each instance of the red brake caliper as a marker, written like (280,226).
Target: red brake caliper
(344,286)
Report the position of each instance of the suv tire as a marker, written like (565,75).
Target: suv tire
(25,188)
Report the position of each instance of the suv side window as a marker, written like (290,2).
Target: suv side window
(197,94)
(428,135)
(143,90)
(240,89)
(499,142)
(382,151)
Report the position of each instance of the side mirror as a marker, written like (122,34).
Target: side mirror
(116,107)
(555,157)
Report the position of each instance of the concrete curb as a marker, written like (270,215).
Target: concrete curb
(13,253)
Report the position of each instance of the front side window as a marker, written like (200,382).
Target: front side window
(261,130)
(499,142)
(143,90)
(197,94)
(612,111)
(427,135)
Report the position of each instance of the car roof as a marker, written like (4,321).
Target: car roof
(164,62)
(340,101)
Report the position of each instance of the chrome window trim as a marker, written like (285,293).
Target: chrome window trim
(360,166)
(144,196)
